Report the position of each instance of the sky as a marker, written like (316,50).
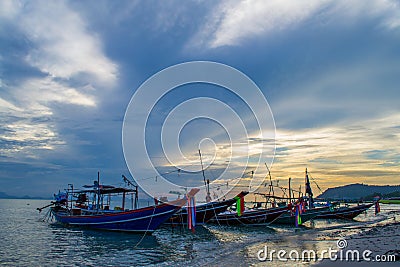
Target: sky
(330,71)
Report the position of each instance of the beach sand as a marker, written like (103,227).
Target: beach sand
(380,240)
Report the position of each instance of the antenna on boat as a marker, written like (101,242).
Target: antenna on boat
(206,184)
(271,187)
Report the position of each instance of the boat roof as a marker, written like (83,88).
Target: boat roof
(107,190)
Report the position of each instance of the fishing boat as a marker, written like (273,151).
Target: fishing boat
(334,211)
(298,210)
(73,208)
(303,209)
(249,217)
(347,213)
(205,211)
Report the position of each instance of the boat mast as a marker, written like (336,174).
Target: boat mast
(206,184)
(98,191)
(70,190)
(135,191)
(123,200)
(300,193)
(290,192)
(271,187)
(309,190)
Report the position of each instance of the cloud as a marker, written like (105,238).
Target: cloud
(234,22)
(386,12)
(67,66)
(39,92)
(9,8)
(22,140)
(61,43)
(348,91)
(6,106)
(360,151)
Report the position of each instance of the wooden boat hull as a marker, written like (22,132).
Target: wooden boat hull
(204,213)
(348,213)
(289,218)
(144,220)
(251,217)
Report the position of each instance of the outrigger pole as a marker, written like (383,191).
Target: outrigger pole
(270,196)
(42,208)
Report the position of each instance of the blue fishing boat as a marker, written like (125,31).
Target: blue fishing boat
(73,209)
(145,220)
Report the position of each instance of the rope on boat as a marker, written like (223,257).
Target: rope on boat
(148,226)
(215,215)
(45,216)
(48,216)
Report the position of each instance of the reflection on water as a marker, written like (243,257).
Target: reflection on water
(86,246)
(28,241)
(96,240)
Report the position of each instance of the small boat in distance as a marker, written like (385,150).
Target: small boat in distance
(81,212)
(204,212)
(392,200)
(347,213)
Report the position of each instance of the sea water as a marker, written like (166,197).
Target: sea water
(27,240)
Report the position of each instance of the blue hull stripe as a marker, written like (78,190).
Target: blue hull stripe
(122,221)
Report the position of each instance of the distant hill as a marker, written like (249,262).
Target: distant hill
(357,191)
(6,196)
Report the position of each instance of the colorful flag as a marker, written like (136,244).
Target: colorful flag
(377,207)
(376,202)
(239,205)
(297,220)
(191,209)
